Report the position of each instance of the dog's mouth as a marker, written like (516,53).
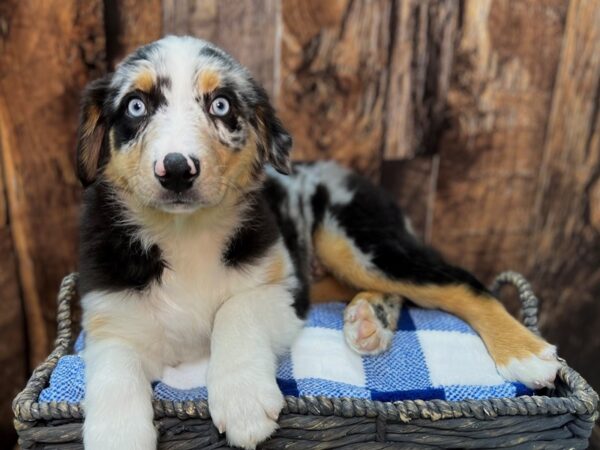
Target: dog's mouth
(178,202)
(187,201)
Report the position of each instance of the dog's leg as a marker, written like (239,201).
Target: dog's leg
(401,265)
(118,408)
(370,321)
(250,330)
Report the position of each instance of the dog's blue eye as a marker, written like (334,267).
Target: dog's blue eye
(136,107)
(219,107)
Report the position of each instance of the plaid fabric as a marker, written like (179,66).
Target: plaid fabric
(433,356)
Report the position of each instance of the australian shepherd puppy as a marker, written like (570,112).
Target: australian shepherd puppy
(199,237)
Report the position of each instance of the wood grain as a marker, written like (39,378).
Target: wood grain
(412,183)
(422,53)
(499,98)
(48,51)
(247,30)
(13,351)
(564,251)
(130,24)
(334,78)
(366,80)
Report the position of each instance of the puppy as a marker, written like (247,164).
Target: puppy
(198,237)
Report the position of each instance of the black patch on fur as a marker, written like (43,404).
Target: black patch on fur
(319,202)
(163,83)
(277,198)
(127,128)
(93,101)
(302,297)
(255,236)
(141,54)
(110,256)
(278,141)
(212,52)
(376,225)
(381,314)
(232,119)
(391,300)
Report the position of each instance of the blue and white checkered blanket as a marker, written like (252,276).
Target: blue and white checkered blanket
(433,356)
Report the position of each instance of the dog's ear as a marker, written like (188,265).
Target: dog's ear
(92,127)
(276,141)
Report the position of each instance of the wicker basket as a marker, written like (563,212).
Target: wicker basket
(563,419)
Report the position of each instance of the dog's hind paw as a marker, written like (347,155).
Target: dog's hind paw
(535,371)
(369,323)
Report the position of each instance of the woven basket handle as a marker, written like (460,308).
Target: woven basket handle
(66,293)
(25,407)
(529,302)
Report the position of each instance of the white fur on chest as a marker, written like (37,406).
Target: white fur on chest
(193,287)
(171,321)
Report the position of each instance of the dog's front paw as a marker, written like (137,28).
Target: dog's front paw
(535,369)
(245,408)
(117,432)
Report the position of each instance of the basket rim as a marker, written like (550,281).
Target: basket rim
(576,395)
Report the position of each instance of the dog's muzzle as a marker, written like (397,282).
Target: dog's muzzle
(177,172)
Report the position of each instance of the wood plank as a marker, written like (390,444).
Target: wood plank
(421,60)
(13,351)
(565,250)
(498,100)
(48,51)
(412,182)
(130,24)
(334,78)
(366,80)
(247,30)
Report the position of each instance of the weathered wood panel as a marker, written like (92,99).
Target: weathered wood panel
(48,51)
(248,30)
(13,361)
(519,169)
(362,80)
(422,52)
(564,250)
(334,76)
(498,101)
(130,24)
(412,183)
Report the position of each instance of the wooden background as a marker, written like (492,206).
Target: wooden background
(481,116)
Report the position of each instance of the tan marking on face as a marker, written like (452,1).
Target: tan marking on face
(208,80)
(92,117)
(504,337)
(237,165)
(329,288)
(244,170)
(262,130)
(144,81)
(122,165)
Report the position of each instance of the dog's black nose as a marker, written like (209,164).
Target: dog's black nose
(177,172)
